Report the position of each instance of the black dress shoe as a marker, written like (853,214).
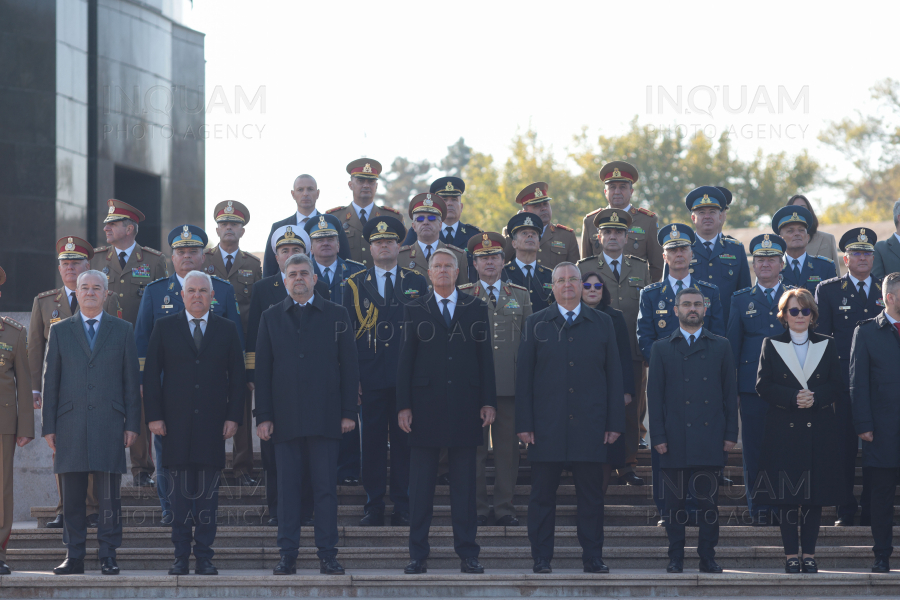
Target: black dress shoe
(351,481)
(373,518)
(881,566)
(56,523)
(710,566)
(307,521)
(330,566)
(400,519)
(595,565)
(143,480)
(725,482)
(179,567)
(205,567)
(246,480)
(676,565)
(93,521)
(108,566)
(481,520)
(507,521)
(286,566)
(70,566)
(642,445)
(272,522)
(4,568)
(542,565)
(631,478)
(792,565)
(416,567)
(843,522)
(809,565)
(470,565)
(443,479)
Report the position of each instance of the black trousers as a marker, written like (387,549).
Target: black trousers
(884,486)
(702,485)
(109,499)
(378,419)
(589,508)
(195,503)
(348,455)
(322,456)
(267,453)
(808,518)
(849,445)
(423,465)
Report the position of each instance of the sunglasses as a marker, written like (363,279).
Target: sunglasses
(421,218)
(796,311)
(597,286)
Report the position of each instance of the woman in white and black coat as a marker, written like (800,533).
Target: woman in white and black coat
(800,376)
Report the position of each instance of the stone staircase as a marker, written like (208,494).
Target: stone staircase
(635,550)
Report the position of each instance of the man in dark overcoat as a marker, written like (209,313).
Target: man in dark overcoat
(570,405)
(875,393)
(692,397)
(194,400)
(307,386)
(446,393)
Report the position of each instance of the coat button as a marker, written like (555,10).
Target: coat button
(706,402)
(449,358)
(300,356)
(771,325)
(704,379)
(90,408)
(91,386)
(571,391)
(571,364)
(197,386)
(685,358)
(790,425)
(196,411)
(386,344)
(687,401)
(571,416)
(686,379)
(571,340)
(197,362)
(706,424)
(91,366)
(496,347)
(121,281)
(809,424)
(688,424)
(495,335)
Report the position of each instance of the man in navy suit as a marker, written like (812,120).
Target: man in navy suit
(800,269)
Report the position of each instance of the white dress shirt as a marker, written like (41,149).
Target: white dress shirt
(368,209)
(867,281)
(225,255)
(575,311)
(712,241)
(687,335)
(331,272)
(522,266)
(451,307)
(686,282)
(496,285)
(790,261)
(380,279)
(86,318)
(301,218)
(127,251)
(434,246)
(774,289)
(454,227)
(609,259)
(203,321)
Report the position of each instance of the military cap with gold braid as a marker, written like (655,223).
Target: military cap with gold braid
(675,235)
(326,226)
(231,211)
(767,244)
(119,210)
(612,218)
(73,248)
(187,236)
(858,239)
(365,168)
(790,214)
(705,196)
(534,193)
(485,243)
(618,170)
(384,228)
(427,204)
(289,235)
(525,220)
(448,186)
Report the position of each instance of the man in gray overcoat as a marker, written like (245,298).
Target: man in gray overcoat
(692,396)
(91,413)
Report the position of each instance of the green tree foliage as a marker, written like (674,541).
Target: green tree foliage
(402,181)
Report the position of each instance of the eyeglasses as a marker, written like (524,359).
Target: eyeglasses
(861,254)
(597,286)
(796,311)
(569,280)
(421,218)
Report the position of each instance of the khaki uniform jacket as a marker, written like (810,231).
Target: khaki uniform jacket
(558,244)
(359,246)
(145,265)
(641,242)
(624,294)
(413,258)
(16,412)
(52,307)
(246,270)
(507,321)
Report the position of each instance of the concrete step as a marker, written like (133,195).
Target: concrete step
(449,583)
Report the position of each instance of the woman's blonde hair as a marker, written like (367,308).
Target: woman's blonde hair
(804,299)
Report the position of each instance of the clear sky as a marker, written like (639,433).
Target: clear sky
(384,79)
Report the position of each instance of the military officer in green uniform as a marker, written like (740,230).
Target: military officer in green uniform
(129,267)
(427,213)
(558,242)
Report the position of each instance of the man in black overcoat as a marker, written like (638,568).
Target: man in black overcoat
(194,400)
(445,394)
(875,393)
(692,397)
(307,384)
(570,406)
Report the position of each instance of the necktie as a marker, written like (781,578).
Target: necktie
(796,268)
(679,285)
(73,303)
(388,286)
(708,246)
(428,252)
(228,264)
(897,326)
(615,266)
(362,216)
(446,311)
(198,333)
(862,288)
(448,234)
(303,221)
(492,296)
(691,340)
(528,277)
(122,259)
(91,331)
(569,316)
(769,296)
(327,274)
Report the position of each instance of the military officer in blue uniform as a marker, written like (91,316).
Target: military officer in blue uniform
(656,318)
(375,299)
(754,317)
(162,298)
(718,260)
(334,272)
(800,269)
(843,302)
(524,229)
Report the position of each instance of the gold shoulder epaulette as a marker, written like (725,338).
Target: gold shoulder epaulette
(517,286)
(593,212)
(358,273)
(649,213)
(465,286)
(211,249)
(452,247)
(249,255)
(13,323)
(151,250)
(101,249)
(402,248)
(633,257)
(48,293)
(354,262)
(393,210)
(563,227)
(334,210)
